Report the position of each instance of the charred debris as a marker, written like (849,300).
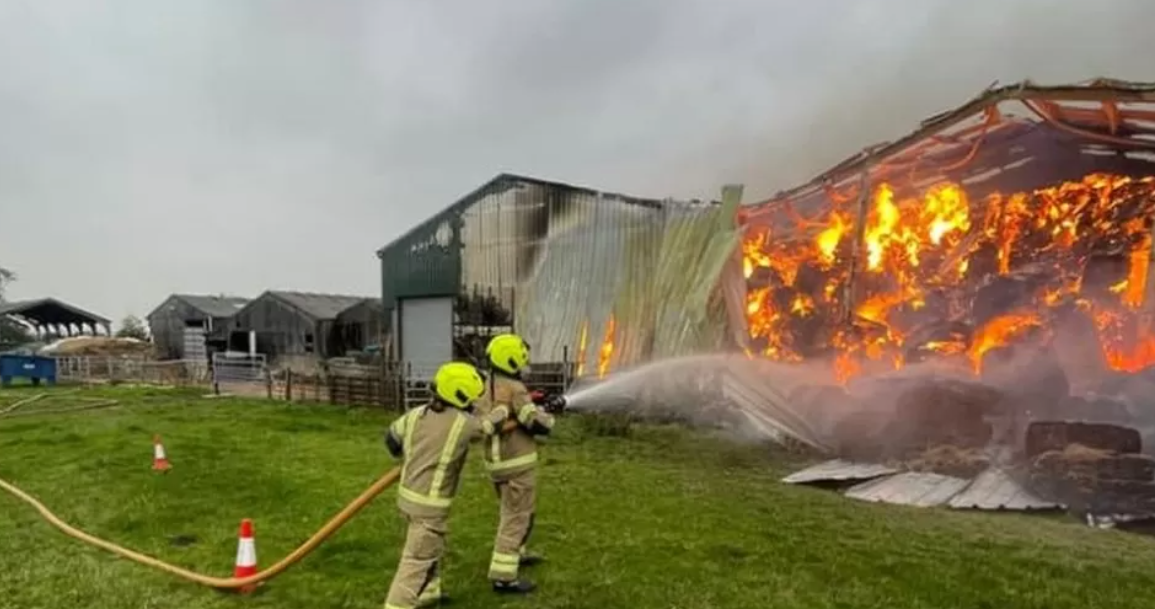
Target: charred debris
(979,294)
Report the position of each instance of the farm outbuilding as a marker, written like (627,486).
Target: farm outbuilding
(586,276)
(52,317)
(288,324)
(190,326)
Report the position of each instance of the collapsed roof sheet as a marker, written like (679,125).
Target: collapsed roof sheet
(919,489)
(837,470)
(994,489)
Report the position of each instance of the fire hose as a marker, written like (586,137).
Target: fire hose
(222,583)
(233,583)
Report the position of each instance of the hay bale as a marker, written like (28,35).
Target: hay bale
(860,436)
(938,412)
(1047,436)
(1095,479)
(950,461)
(1098,463)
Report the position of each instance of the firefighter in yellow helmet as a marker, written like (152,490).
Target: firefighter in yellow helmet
(512,459)
(432,442)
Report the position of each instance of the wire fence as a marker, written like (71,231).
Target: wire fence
(386,385)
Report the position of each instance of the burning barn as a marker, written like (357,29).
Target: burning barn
(595,279)
(980,287)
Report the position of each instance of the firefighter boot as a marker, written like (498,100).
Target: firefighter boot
(529,559)
(517,586)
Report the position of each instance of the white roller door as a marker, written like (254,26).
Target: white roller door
(426,334)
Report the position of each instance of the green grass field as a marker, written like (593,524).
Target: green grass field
(660,519)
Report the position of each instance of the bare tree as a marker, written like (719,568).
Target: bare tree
(11,332)
(6,277)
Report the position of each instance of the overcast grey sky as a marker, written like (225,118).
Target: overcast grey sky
(206,146)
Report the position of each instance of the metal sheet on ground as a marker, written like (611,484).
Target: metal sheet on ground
(994,489)
(910,488)
(837,470)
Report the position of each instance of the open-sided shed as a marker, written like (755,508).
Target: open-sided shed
(52,316)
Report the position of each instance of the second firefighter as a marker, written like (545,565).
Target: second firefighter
(512,459)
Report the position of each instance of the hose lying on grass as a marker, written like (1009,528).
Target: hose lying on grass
(224,583)
(11,410)
(12,407)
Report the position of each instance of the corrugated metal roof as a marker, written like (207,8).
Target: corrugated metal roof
(837,470)
(919,489)
(994,489)
(499,184)
(1102,91)
(33,308)
(321,307)
(214,306)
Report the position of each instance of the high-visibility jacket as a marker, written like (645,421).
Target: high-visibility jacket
(433,444)
(507,455)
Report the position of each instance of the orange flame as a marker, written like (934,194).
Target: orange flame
(581,362)
(918,248)
(997,333)
(607,348)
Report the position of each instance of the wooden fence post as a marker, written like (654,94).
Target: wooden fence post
(288,384)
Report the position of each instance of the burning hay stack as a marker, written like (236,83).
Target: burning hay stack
(988,273)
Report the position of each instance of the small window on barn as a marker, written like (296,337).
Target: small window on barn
(308,342)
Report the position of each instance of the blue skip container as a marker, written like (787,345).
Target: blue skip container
(32,367)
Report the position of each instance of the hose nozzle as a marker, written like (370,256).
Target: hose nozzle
(555,404)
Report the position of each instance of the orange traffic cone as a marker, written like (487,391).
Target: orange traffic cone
(159,460)
(246,555)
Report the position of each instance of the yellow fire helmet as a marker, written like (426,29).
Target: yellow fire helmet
(508,353)
(458,384)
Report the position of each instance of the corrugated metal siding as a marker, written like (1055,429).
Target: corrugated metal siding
(593,255)
(654,271)
(563,259)
(760,389)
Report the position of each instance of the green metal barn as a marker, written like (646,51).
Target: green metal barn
(597,279)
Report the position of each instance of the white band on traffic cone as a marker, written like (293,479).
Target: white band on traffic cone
(246,553)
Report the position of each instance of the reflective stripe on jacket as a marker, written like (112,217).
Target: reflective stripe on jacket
(515,452)
(434,446)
